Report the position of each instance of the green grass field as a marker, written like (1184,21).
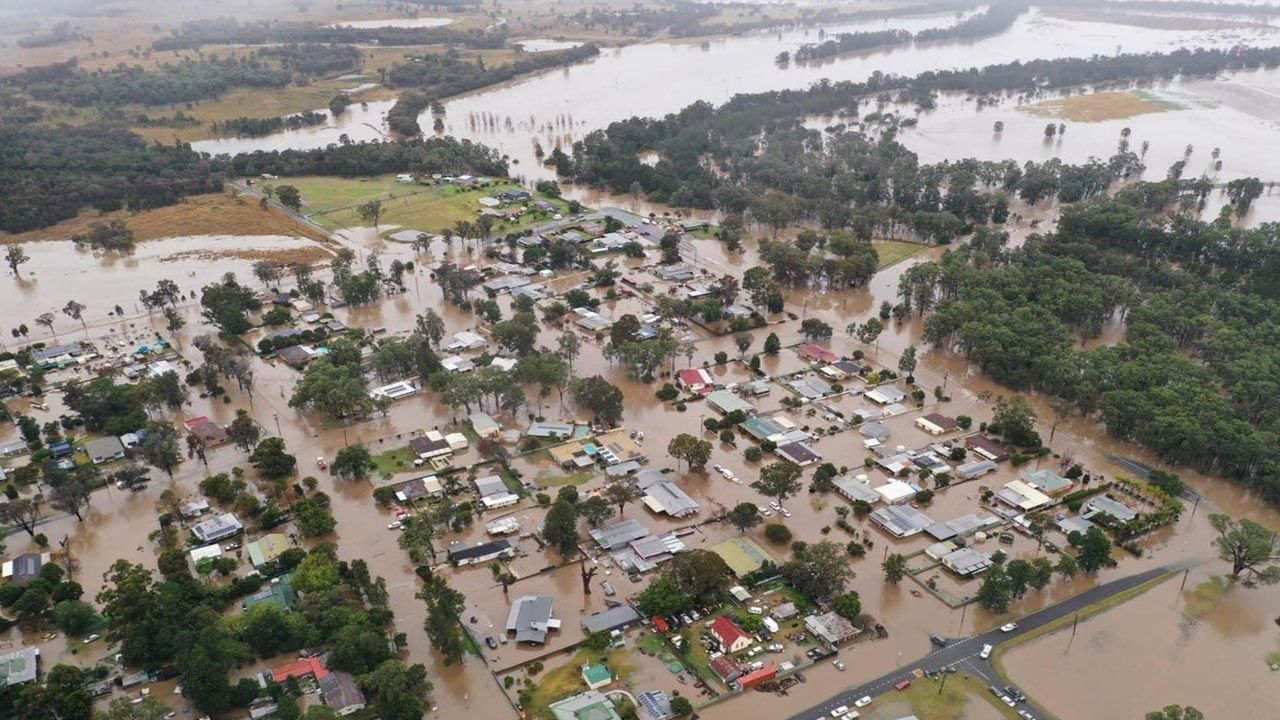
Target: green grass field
(893,251)
(322,194)
(931,700)
(394,461)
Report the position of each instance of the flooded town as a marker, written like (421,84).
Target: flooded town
(602,360)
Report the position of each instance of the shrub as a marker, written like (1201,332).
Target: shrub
(753,454)
(777,532)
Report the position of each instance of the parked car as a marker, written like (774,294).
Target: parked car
(608,588)
(1007,700)
(839,711)
(784,512)
(1026,714)
(863,701)
(764,510)
(1015,693)
(1006,538)
(491,642)
(938,640)
(902,685)
(986,652)
(839,664)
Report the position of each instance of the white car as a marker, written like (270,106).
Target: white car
(839,711)
(986,652)
(396,525)
(1007,700)
(784,512)
(774,504)
(839,664)
(719,468)
(91,638)
(1008,627)
(766,512)
(863,701)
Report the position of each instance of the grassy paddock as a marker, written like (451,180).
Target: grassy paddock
(931,700)
(892,252)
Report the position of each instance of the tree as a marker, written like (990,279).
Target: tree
(443,624)
(994,594)
(1251,548)
(663,598)
(290,197)
(353,462)
(743,342)
(431,326)
(690,449)
(595,510)
(268,629)
(71,496)
(1019,573)
(745,516)
(271,461)
(15,256)
(64,695)
(772,344)
(46,319)
(848,605)
(701,575)
(777,533)
(358,649)
(681,706)
(895,568)
(1067,566)
(819,570)
(243,431)
(23,512)
(75,311)
(1175,712)
(206,654)
(1014,418)
(398,690)
(907,362)
(600,397)
(778,480)
(313,516)
(160,447)
(815,329)
(569,347)
(335,388)
(370,212)
(869,332)
(418,535)
(560,528)
(1095,551)
(620,492)
(316,573)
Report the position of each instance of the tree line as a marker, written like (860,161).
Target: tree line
(228,31)
(257,126)
(995,19)
(449,73)
(1194,377)
(49,174)
(769,163)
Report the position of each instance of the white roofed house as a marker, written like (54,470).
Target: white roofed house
(217,528)
(484,425)
(664,496)
(531,618)
(464,340)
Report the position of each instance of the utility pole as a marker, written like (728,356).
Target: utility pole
(963,609)
(943,683)
(1075,622)
(1185,573)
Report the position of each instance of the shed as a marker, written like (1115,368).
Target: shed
(614,618)
(726,402)
(484,425)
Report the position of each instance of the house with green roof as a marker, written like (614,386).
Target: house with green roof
(278,591)
(742,555)
(596,676)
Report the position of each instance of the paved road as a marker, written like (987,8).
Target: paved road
(964,653)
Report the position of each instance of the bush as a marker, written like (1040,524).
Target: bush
(667,392)
(753,454)
(778,533)
(727,436)
(964,421)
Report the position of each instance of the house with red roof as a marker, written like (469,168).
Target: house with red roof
(695,380)
(729,635)
(817,353)
(724,666)
(755,677)
(300,668)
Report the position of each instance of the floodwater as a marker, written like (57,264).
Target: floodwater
(653,79)
(1239,115)
(62,271)
(395,23)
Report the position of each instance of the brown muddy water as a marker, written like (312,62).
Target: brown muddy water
(653,79)
(119,523)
